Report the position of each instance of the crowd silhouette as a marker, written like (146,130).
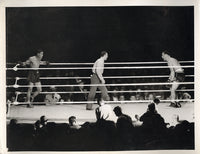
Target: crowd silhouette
(145,133)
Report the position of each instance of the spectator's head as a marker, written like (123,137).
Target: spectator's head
(121,97)
(151,97)
(39,53)
(151,107)
(52,88)
(13,122)
(43,120)
(80,83)
(118,111)
(165,55)
(72,120)
(156,101)
(132,98)
(104,55)
(115,92)
(12,97)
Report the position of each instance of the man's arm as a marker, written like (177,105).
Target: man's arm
(27,62)
(44,63)
(99,71)
(172,72)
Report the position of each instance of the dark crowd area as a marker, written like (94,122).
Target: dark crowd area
(79,34)
(148,132)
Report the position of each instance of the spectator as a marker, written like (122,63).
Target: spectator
(137,122)
(13,123)
(121,98)
(124,121)
(37,127)
(155,101)
(104,111)
(73,124)
(41,133)
(114,96)
(124,126)
(43,121)
(139,95)
(132,97)
(53,97)
(80,96)
(152,121)
(10,101)
(151,97)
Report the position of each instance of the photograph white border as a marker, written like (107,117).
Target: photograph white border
(56,3)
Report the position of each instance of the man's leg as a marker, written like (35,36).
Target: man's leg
(104,92)
(39,89)
(91,96)
(30,88)
(173,92)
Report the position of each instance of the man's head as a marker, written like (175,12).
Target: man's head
(43,120)
(39,53)
(156,101)
(165,55)
(72,120)
(151,107)
(104,55)
(118,111)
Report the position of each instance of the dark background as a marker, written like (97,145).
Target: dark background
(78,34)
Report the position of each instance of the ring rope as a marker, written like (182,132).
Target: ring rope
(112,63)
(85,102)
(106,77)
(88,85)
(115,91)
(87,68)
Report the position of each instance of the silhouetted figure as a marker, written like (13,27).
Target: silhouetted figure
(73,124)
(124,126)
(152,121)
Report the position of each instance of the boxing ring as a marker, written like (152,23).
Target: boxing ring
(139,78)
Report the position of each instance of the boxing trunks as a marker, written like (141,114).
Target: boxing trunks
(180,76)
(33,76)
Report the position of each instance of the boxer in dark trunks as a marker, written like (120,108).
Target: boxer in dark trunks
(34,75)
(176,76)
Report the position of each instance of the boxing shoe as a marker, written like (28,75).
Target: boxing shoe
(89,106)
(172,104)
(178,105)
(29,106)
